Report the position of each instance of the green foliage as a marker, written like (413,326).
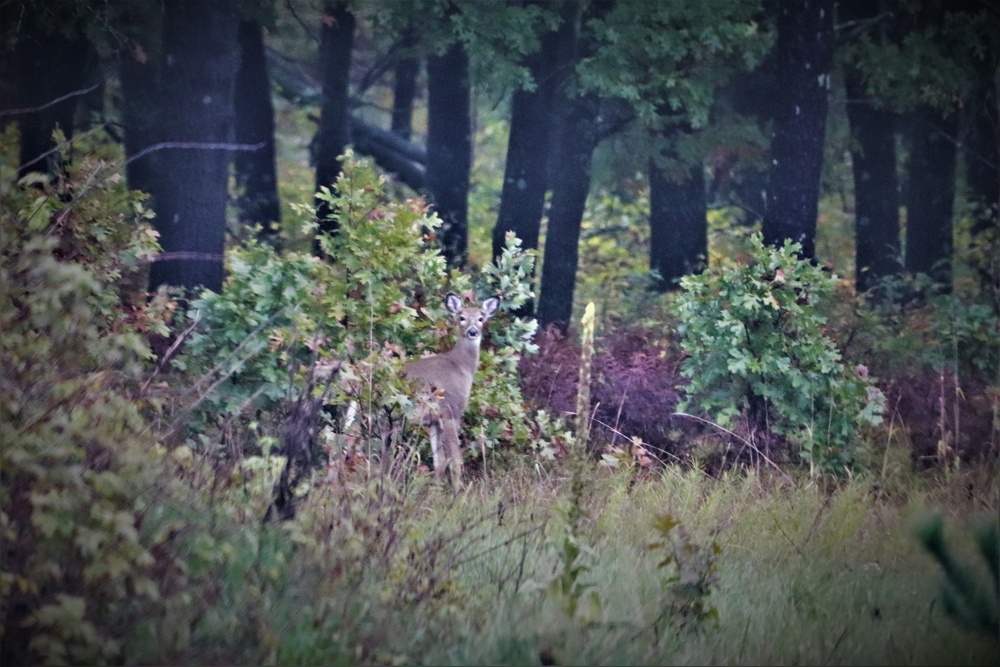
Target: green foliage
(754,338)
(379,294)
(693,572)
(568,585)
(666,58)
(74,464)
(908,320)
(972,600)
(931,64)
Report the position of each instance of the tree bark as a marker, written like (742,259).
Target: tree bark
(522,198)
(982,145)
(804,54)
(254,124)
(449,148)
(877,243)
(575,141)
(876,204)
(404,86)
(930,194)
(141,108)
(336,45)
(201,56)
(50,66)
(678,225)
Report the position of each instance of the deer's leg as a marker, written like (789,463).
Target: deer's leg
(434,429)
(453,451)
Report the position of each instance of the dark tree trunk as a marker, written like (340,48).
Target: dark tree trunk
(336,45)
(254,124)
(404,86)
(982,145)
(50,66)
(873,163)
(449,148)
(678,225)
(804,51)
(201,57)
(876,204)
(930,194)
(141,109)
(575,140)
(522,198)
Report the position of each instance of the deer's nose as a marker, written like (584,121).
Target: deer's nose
(473,332)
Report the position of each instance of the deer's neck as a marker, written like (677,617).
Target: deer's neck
(466,352)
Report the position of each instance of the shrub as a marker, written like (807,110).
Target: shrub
(375,296)
(74,464)
(754,336)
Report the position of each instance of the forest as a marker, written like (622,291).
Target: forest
(499,332)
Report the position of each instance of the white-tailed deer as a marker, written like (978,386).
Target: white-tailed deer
(449,377)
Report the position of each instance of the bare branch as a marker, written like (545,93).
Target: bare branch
(197,145)
(75,93)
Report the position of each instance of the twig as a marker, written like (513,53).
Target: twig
(198,145)
(75,93)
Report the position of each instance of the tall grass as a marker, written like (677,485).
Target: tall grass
(806,574)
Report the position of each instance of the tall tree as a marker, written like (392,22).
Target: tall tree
(522,197)
(678,229)
(981,143)
(804,50)
(51,68)
(930,193)
(254,126)
(336,46)
(201,56)
(571,161)
(873,161)
(569,175)
(873,166)
(404,84)
(139,73)
(449,147)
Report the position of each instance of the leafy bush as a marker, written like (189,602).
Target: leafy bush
(754,336)
(379,294)
(74,466)
(937,354)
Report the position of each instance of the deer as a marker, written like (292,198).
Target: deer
(449,377)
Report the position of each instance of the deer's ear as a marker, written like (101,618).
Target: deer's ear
(490,306)
(453,303)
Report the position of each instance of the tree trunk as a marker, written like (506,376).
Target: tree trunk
(804,53)
(404,86)
(930,194)
(982,146)
(254,124)
(336,45)
(50,66)
(575,141)
(522,199)
(449,148)
(678,224)
(141,109)
(873,163)
(201,57)
(876,205)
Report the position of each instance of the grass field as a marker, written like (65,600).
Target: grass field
(529,568)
